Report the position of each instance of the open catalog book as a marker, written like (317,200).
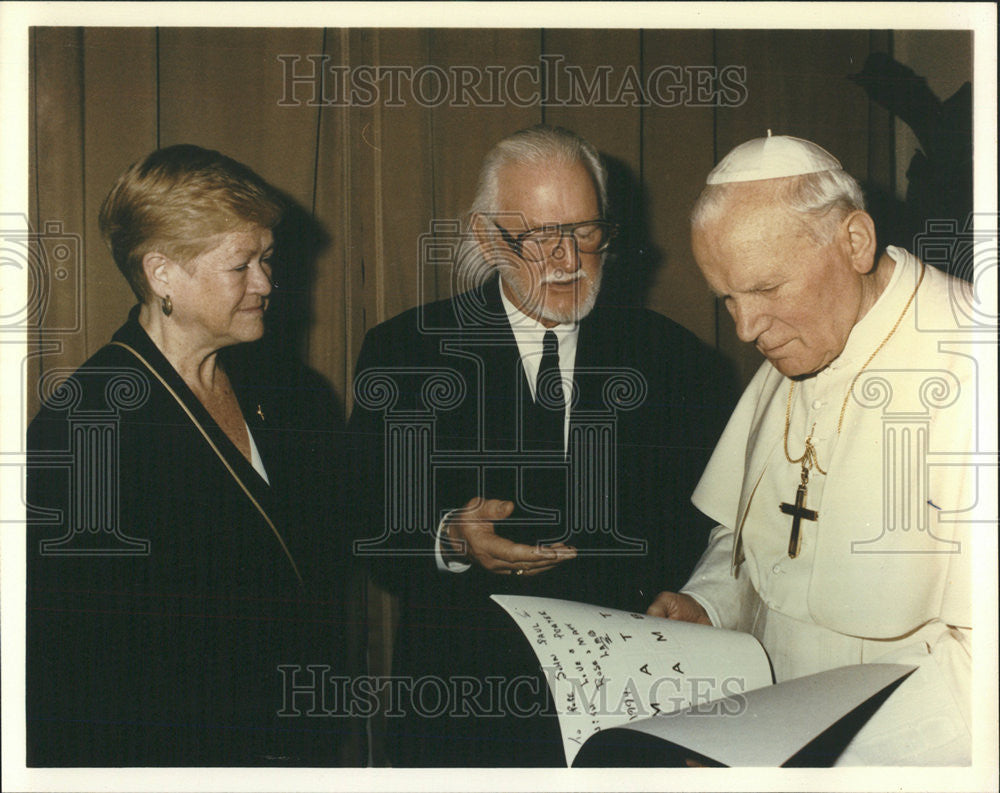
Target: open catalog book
(620,679)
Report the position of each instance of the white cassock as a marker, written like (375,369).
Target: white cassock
(884,572)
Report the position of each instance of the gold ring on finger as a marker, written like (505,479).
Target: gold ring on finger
(519,571)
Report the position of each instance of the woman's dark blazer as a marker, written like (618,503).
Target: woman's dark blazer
(175,598)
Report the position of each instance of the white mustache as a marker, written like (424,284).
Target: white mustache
(560,278)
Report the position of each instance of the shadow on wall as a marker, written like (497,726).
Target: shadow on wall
(633,258)
(277,363)
(934,220)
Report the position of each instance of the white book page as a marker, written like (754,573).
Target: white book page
(607,667)
(767,726)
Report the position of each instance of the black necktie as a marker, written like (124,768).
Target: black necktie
(545,476)
(547,416)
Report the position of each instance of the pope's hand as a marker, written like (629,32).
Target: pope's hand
(470,533)
(676,606)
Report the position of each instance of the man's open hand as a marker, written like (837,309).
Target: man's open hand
(470,532)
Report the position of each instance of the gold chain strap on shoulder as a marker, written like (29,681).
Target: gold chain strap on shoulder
(218,454)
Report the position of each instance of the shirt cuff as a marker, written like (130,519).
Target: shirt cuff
(446,565)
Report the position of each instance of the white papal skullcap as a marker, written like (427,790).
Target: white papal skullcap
(773,157)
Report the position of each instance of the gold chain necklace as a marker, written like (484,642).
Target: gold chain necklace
(809,457)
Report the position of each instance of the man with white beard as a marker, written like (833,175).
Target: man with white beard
(569,438)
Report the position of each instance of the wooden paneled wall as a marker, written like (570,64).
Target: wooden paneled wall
(374,175)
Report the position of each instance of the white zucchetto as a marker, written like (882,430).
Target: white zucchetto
(773,157)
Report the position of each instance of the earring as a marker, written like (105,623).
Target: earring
(166,306)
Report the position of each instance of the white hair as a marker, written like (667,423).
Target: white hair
(824,199)
(542,145)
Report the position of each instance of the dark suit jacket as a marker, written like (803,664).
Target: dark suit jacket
(443,382)
(157,638)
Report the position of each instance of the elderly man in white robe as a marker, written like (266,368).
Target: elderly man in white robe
(843,534)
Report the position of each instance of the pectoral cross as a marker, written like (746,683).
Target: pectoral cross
(798,511)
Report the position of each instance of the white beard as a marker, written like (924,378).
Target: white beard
(587,296)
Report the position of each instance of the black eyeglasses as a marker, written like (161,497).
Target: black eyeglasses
(538,244)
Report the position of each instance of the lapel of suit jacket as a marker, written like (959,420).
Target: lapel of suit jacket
(592,353)
(133,338)
(503,384)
